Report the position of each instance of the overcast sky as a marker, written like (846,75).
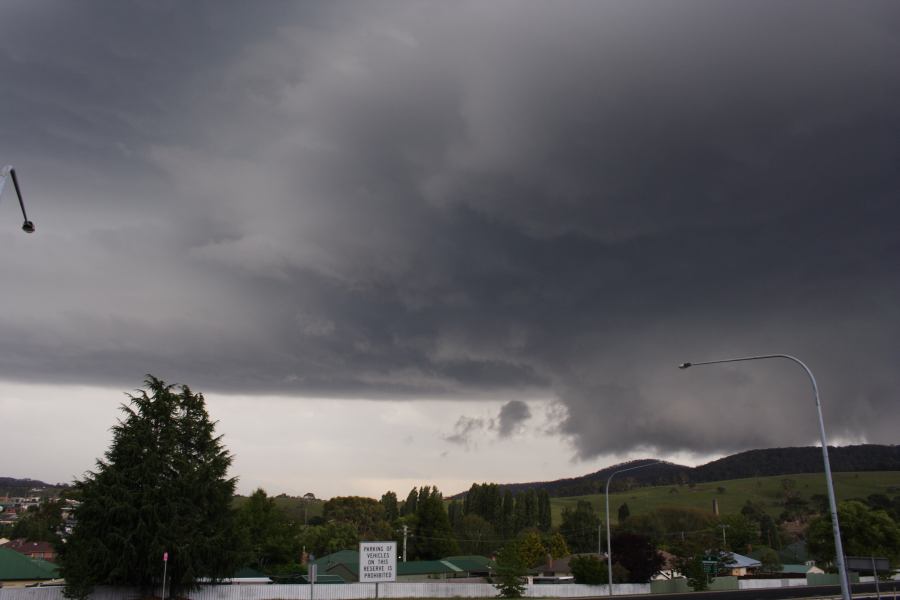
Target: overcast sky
(406,243)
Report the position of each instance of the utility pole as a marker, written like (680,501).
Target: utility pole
(405,528)
(724,542)
(600,540)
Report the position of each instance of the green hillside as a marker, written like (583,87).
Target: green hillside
(735,492)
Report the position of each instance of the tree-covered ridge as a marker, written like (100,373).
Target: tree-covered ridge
(752,463)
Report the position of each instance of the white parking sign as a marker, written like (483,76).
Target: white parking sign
(377,562)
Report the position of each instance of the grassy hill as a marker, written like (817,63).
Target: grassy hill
(749,464)
(732,494)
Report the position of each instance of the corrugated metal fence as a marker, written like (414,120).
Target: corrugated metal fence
(349,591)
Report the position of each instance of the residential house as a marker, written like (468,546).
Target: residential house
(800,570)
(41,550)
(554,570)
(741,565)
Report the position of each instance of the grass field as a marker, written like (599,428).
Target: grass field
(735,492)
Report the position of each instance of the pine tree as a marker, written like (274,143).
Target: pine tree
(162,487)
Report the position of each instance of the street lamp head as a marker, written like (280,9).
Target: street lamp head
(684,365)
(9,171)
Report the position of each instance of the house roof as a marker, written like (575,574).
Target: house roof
(472,562)
(249,573)
(556,565)
(342,557)
(27,547)
(15,566)
(426,567)
(741,561)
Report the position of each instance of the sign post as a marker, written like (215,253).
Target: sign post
(165,564)
(377,562)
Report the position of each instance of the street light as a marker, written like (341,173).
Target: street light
(27,226)
(835,526)
(608,542)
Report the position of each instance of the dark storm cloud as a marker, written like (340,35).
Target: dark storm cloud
(476,200)
(512,414)
(464,429)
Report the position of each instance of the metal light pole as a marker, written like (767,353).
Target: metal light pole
(832,503)
(9,171)
(608,542)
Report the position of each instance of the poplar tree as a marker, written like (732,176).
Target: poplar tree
(161,488)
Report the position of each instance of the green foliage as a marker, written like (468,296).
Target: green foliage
(555,544)
(475,535)
(770,561)
(637,555)
(544,515)
(531,548)
(162,487)
(510,582)
(766,492)
(432,535)
(320,540)
(864,532)
(741,532)
(580,527)
(588,569)
(693,569)
(270,539)
(391,508)
(411,504)
(486,501)
(40,524)
(366,515)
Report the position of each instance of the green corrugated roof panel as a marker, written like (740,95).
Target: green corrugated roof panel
(343,557)
(425,567)
(248,573)
(471,562)
(794,568)
(18,567)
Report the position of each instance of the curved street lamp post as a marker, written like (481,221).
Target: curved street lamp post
(835,526)
(608,542)
(9,171)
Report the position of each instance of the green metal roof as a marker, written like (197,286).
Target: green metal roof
(343,557)
(18,567)
(471,562)
(794,568)
(426,567)
(249,573)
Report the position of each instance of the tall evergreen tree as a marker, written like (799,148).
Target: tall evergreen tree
(162,487)
(270,539)
(543,516)
(624,512)
(391,510)
(507,521)
(433,538)
(411,504)
(580,527)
